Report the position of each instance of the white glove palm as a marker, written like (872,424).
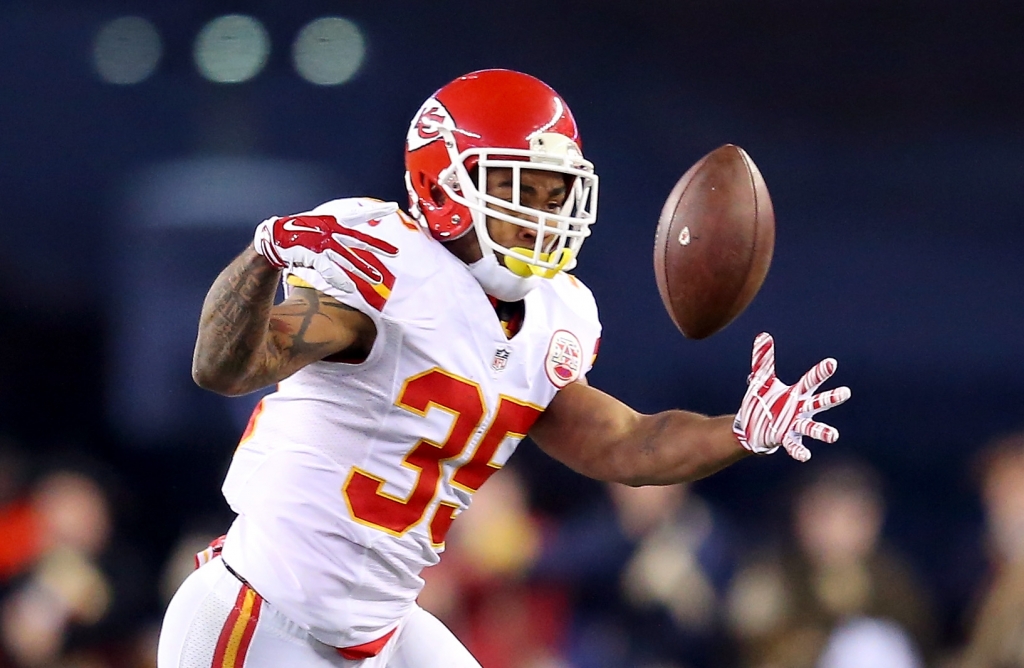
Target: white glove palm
(774,414)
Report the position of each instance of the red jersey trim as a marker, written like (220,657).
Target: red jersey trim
(368,649)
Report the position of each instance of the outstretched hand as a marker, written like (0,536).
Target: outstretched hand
(774,414)
(324,243)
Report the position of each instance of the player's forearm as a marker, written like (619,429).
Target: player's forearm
(597,435)
(233,326)
(676,446)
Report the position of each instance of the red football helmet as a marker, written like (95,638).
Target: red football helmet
(499,119)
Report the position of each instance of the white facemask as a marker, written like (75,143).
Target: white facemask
(499,282)
(558,235)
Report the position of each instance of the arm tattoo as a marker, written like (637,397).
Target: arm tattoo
(233,324)
(290,325)
(338,305)
(650,446)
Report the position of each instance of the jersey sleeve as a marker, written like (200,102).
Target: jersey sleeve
(578,297)
(593,356)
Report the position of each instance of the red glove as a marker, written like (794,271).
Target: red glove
(322,243)
(774,414)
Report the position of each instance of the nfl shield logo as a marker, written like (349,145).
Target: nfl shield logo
(500,359)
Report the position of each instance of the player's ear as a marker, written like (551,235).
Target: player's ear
(437,194)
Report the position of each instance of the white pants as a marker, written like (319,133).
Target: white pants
(214,621)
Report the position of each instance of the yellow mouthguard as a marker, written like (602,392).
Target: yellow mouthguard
(520,268)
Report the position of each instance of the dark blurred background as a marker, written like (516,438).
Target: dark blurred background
(140,143)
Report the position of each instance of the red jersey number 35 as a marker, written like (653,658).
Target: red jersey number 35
(440,390)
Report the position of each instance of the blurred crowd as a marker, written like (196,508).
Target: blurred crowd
(653,577)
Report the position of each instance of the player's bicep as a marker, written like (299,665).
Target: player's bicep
(309,326)
(582,427)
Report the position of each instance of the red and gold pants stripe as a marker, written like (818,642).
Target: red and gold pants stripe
(236,634)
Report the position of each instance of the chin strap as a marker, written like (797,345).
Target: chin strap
(498,281)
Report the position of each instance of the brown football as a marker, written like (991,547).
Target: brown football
(714,242)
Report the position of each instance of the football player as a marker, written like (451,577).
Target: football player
(412,352)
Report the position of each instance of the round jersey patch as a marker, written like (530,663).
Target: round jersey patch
(564,361)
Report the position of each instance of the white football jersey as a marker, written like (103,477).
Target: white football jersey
(349,475)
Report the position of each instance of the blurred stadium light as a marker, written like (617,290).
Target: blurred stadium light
(232,49)
(329,51)
(126,50)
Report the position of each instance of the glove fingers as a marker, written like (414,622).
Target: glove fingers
(818,374)
(824,401)
(762,363)
(794,445)
(345,258)
(334,273)
(375,209)
(372,242)
(816,430)
(367,212)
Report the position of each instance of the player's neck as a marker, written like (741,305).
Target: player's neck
(466,248)
(510,315)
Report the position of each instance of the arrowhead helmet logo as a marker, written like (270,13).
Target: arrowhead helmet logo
(424,129)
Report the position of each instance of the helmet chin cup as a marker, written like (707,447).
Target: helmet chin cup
(561,258)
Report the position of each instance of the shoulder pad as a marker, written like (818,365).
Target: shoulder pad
(576,295)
